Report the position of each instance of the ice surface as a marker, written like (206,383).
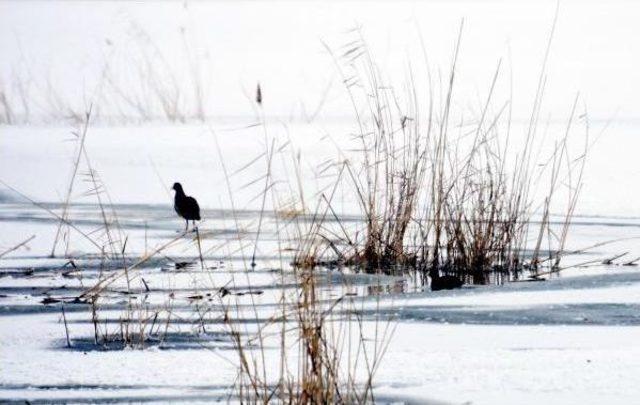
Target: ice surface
(573,338)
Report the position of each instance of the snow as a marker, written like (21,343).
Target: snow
(571,339)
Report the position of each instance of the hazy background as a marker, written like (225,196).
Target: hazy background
(66,45)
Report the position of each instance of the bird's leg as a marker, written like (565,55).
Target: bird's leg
(186,225)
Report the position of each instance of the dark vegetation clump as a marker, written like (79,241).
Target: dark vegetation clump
(442,194)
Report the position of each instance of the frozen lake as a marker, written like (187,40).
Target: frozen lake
(526,342)
(572,337)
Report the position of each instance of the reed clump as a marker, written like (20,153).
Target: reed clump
(459,199)
(316,349)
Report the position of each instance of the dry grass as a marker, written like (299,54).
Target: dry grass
(438,198)
(137,82)
(434,197)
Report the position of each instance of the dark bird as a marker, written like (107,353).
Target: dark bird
(439,282)
(187,207)
(223,291)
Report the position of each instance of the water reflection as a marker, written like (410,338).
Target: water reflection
(398,287)
(414,281)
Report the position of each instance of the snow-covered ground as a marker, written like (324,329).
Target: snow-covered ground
(572,338)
